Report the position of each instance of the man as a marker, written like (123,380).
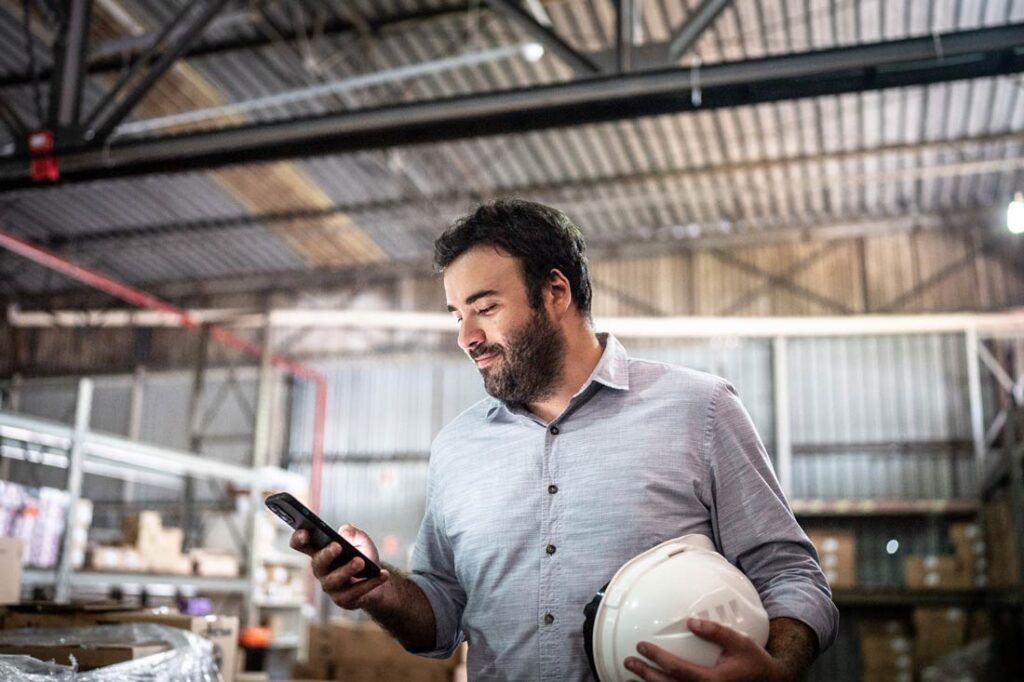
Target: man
(581,459)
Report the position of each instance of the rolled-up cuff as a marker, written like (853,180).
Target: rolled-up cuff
(446,623)
(815,610)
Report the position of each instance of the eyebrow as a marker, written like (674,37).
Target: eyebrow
(473,298)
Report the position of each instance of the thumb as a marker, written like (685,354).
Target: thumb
(349,532)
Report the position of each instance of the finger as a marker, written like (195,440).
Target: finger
(647,672)
(342,576)
(299,541)
(723,635)
(354,594)
(323,559)
(676,667)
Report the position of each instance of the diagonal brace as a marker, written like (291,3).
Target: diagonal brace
(166,59)
(798,267)
(687,34)
(581,64)
(780,282)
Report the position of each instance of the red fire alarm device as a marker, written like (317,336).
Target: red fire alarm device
(43,163)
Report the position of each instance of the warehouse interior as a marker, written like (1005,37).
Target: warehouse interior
(217,220)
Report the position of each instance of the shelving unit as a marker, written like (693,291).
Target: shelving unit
(79,450)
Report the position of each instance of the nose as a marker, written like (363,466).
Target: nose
(470,336)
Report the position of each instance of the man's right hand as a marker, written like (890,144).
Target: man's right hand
(341,585)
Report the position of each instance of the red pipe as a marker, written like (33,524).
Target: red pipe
(117,289)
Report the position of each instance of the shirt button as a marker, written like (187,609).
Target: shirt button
(548,619)
(553,430)
(552,489)
(550,549)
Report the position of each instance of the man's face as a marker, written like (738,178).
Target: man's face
(518,350)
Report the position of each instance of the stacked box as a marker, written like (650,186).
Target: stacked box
(114,558)
(214,563)
(887,651)
(159,548)
(1003,568)
(49,532)
(354,651)
(837,550)
(933,572)
(275,582)
(971,553)
(10,568)
(37,516)
(937,632)
(222,631)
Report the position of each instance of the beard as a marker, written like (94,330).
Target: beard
(531,362)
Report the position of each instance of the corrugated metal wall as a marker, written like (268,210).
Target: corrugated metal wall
(880,417)
(870,417)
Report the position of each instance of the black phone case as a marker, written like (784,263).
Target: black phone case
(300,517)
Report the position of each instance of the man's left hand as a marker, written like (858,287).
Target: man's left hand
(741,659)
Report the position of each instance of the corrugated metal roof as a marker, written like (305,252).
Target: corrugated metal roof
(935,149)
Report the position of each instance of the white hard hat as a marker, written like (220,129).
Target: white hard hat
(650,598)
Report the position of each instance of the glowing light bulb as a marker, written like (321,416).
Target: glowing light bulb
(532,52)
(1015,214)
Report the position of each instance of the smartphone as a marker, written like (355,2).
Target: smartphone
(300,517)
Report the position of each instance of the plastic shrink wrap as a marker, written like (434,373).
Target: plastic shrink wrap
(189,657)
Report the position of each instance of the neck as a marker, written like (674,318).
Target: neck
(582,353)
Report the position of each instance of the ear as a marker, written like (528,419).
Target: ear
(559,293)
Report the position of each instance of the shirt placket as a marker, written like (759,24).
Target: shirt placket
(551,612)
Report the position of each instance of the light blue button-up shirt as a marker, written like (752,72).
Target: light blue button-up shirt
(525,521)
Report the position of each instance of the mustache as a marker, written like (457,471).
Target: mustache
(486,350)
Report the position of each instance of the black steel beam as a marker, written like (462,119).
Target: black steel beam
(967,54)
(68,73)
(190,33)
(116,64)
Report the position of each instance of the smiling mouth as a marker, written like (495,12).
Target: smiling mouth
(485,360)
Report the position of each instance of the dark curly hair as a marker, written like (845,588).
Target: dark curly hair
(541,237)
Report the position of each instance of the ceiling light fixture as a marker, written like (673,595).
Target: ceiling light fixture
(531,52)
(1015,214)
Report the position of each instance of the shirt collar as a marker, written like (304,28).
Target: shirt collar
(612,370)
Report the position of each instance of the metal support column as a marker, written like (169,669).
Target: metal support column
(783,438)
(260,452)
(195,437)
(83,409)
(974,398)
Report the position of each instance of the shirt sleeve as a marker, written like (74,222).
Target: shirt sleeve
(433,571)
(754,526)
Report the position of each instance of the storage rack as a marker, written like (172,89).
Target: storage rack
(79,450)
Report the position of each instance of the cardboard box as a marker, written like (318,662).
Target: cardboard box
(886,650)
(360,650)
(214,563)
(140,526)
(88,656)
(837,551)
(937,632)
(221,630)
(111,558)
(11,552)
(53,615)
(1002,538)
(933,572)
